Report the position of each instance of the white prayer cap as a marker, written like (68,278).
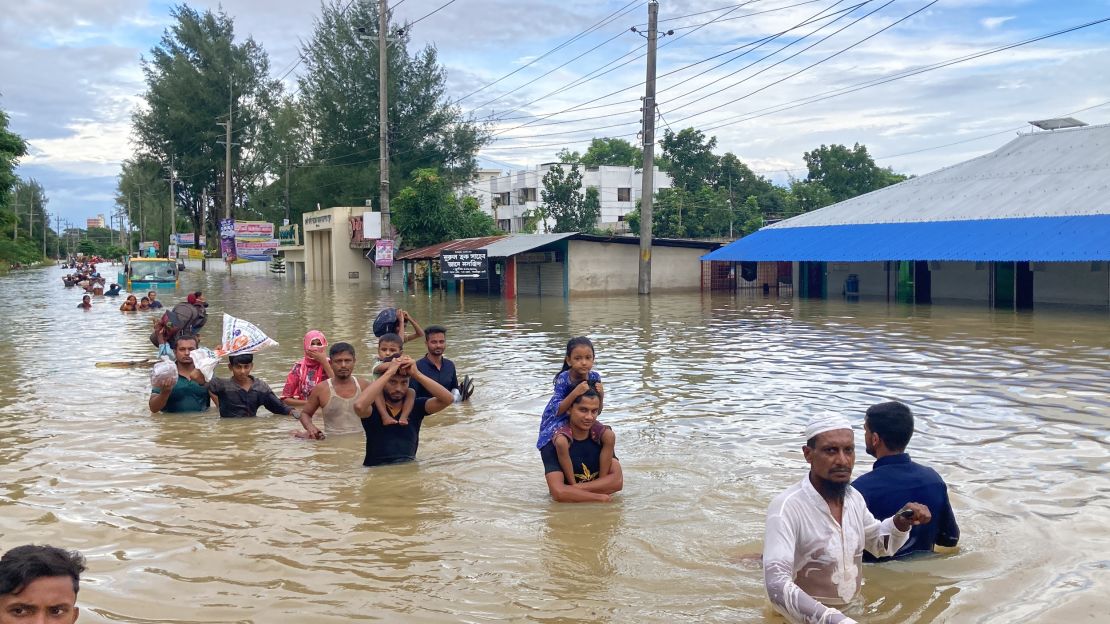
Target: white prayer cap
(826,422)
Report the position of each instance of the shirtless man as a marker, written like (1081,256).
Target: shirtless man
(336,397)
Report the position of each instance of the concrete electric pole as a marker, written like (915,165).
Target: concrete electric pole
(227,155)
(383,119)
(646,193)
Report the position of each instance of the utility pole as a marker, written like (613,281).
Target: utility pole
(287,189)
(383,119)
(646,193)
(227,156)
(31,213)
(15,225)
(45,224)
(203,227)
(58,226)
(173,214)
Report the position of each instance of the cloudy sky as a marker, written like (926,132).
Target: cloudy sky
(70,75)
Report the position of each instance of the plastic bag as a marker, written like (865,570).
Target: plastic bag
(241,337)
(205,360)
(163,373)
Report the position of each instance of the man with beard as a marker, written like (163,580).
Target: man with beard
(336,398)
(397,443)
(440,369)
(819,527)
(188,392)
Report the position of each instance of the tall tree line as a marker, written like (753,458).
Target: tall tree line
(315,146)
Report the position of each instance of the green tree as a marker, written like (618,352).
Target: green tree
(847,172)
(193,75)
(12,148)
(565,203)
(606,151)
(144,194)
(591,209)
(428,211)
(339,104)
(808,195)
(691,161)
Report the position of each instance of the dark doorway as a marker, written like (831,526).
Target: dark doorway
(922,282)
(1023,286)
(812,276)
(1003,284)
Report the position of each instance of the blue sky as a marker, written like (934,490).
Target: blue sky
(70,76)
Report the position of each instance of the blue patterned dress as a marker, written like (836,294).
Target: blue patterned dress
(552,420)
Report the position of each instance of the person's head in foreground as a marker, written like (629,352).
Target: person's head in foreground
(39,584)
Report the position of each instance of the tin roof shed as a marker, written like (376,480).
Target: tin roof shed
(1044,196)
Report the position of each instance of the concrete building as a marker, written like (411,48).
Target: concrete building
(566,264)
(333,249)
(507,197)
(1027,224)
(98,222)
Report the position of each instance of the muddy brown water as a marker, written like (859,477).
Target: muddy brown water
(189,518)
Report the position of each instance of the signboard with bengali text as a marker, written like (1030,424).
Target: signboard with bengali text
(473,264)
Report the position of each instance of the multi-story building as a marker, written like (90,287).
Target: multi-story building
(98,222)
(508,197)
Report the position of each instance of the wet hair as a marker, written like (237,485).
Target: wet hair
(22,565)
(571,345)
(341,347)
(589,394)
(145,298)
(434,329)
(242,358)
(893,422)
(391,338)
(181,337)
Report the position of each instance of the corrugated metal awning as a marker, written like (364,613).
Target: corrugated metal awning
(1038,239)
(520,243)
(459,244)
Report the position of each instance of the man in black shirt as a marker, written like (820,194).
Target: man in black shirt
(242,395)
(585,456)
(397,443)
(433,365)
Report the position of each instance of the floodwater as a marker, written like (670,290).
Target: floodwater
(189,518)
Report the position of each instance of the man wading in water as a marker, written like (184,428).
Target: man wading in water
(336,397)
(397,443)
(819,527)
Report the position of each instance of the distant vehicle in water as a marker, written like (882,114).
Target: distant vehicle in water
(148,273)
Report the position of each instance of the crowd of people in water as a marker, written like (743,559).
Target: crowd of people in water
(87,278)
(819,530)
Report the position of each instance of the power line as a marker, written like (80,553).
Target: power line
(812,65)
(827,95)
(842,15)
(622,90)
(585,80)
(843,12)
(437,10)
(553,70)
(549,52)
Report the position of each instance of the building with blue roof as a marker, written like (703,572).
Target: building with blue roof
(1026,224)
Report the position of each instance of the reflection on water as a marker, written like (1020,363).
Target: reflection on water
(190,518)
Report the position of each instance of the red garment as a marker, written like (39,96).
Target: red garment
(307,372)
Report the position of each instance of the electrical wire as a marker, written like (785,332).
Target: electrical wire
(548,53)
(437,10)
(827,95)
(812,65)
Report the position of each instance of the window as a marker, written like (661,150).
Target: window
(527,194)
(501,199)
(624,194)
(505,225)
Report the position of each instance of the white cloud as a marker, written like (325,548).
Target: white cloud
(991,23)
(93,148)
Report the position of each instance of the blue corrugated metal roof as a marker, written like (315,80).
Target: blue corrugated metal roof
(1039,239)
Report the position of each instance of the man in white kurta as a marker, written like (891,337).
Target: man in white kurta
(818,529)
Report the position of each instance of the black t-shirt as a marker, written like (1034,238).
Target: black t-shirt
(445,376)
(394,443)
(585,458)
